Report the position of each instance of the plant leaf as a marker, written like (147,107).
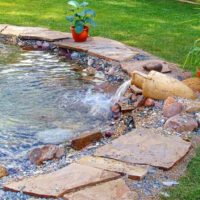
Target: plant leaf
(84,4)
(90,21)
(79,26)
(74,4)
(70,18)
(90,12)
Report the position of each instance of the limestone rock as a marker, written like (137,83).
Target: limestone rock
(181,123)
(49,152)
(112,190)
(86,138)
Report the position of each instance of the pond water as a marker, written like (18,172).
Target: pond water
(42,100)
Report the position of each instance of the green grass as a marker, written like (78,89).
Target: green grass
(166,28)
(189,185)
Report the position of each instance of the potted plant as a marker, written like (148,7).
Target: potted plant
(80,19)
(192,60)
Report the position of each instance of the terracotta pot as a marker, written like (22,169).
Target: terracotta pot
(156,85)
(82,37)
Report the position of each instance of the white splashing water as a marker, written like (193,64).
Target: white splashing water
(100,103)
(121,91)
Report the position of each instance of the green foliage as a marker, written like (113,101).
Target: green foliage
(166,28)
(81,16)
(193,58)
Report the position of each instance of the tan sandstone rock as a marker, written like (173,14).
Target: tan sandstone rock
(135,172)
(146,146)
(112,190)
(86,138)
(62,181)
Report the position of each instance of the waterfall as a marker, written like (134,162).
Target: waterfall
(121,91)
(100,103)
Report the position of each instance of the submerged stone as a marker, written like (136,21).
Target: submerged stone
(54,136)
(39,155)
(3,172)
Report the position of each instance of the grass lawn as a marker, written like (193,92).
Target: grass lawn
(189,185)
(166,28)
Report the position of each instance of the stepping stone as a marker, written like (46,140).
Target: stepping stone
(112,190)
(133,172)
(62,181)
(146,146)
(35,33)
(101,47)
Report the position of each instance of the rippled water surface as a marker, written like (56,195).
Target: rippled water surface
(41,94)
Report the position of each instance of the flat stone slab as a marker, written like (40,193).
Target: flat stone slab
(146,146)
(112,190)
(132,66)
(133,172)
(46,35)
(18,30)
(62,181)
(36,33)
(101,47)
(170,68)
